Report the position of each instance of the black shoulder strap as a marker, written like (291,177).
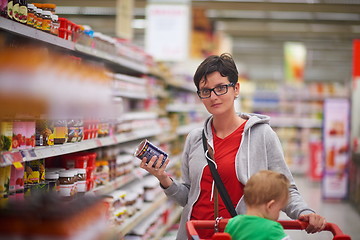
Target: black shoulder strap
(219,184)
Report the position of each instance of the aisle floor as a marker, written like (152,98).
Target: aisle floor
(341,213)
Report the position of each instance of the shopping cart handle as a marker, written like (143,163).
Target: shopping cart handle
(193,225)
(301,225)
(293,224)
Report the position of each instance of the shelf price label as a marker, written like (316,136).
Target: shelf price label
(9,158)
(98,142)
(18,165)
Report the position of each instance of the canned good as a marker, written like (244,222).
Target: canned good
(148,150)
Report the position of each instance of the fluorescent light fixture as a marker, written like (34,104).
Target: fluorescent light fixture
(236,14)
(139,23)
(291,15)
(86,10)
(338,16)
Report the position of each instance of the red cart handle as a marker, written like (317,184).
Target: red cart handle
(331,227)
(192,225)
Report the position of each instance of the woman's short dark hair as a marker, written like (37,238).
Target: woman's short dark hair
(224,64)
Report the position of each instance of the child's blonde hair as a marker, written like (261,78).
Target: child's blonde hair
(265,186)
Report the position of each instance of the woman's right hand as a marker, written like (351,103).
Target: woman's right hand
(157,170)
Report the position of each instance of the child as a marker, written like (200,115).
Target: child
(265,194)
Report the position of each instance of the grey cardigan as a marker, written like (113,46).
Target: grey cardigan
(259,149)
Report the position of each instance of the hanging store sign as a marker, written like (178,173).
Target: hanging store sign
(295,56)
(167,31)
(336,136)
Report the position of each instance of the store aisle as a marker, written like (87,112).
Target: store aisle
(341,213)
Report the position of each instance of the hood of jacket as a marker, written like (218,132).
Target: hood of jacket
(252,119)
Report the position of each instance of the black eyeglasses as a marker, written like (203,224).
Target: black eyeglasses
(218,90)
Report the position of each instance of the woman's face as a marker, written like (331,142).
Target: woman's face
(218,105)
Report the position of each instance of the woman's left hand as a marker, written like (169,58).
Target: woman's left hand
(316,222)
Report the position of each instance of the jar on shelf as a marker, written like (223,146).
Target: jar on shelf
(46,21)
(75,130)
(38,19)
(10,5)
(81,181)
(55,25)
(67,184)
(6,135)
(101,173)
(19,11)
(31,15)
(52,181)
(130,201)
(60,131)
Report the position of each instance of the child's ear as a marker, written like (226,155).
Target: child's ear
(270,204)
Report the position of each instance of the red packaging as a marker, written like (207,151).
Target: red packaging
(63,33)
(91,159)
(76,160)
(16,183)
(63,23)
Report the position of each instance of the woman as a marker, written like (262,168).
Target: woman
(242,145)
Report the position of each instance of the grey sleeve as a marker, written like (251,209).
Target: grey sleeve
(178,191)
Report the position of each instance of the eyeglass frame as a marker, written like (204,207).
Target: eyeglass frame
(213,90)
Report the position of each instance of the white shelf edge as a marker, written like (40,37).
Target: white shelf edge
(115,59)
(34,33)
(127,94)
(138,115)
(181,130)
(56,150)
(176,107)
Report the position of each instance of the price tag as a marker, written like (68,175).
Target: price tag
(18,165)
(28,153)
(8,158)
(98,142)
(17,157)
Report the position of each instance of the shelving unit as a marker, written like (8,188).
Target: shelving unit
(295,114)
(124,69)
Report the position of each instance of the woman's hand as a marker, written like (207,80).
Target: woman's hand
(316,222)
(157,170)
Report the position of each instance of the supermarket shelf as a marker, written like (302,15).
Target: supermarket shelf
(136,173)
(181,130)
(122,61)
(138,115)
(181,85)
(32,33)
(26,31)
(176,107)
(295,122)
(113,185)
(173,219)
(127,94)
(50,151)
(147,209)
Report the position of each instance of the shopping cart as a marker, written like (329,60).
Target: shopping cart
(192,225)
